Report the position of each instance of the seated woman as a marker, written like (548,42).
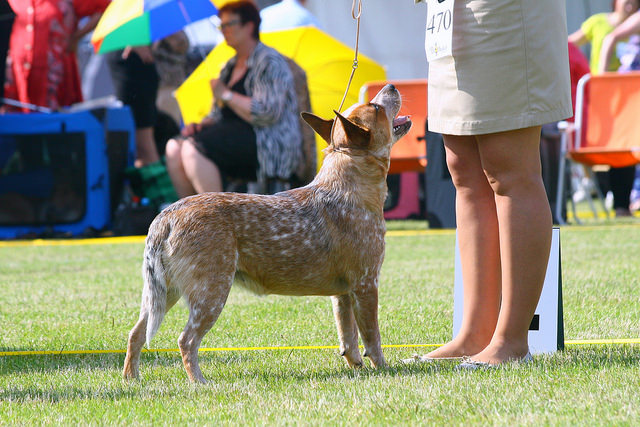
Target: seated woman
(253,131)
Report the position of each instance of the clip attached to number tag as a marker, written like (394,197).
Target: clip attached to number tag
(439,33)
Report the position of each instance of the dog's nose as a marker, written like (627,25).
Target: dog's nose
(391,86)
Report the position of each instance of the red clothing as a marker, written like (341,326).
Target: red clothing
(578,67)
(40,70)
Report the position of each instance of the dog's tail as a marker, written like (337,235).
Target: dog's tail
(154,292)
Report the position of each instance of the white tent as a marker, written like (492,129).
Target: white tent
(392,31)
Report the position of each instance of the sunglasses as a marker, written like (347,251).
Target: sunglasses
(229,24)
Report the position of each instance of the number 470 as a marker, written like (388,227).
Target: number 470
(443,21)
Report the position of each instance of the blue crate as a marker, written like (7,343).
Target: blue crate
(56,170)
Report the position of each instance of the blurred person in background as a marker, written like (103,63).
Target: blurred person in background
(136,81)
(42,68)
(6,22)
(598,30)
(253,130)
(597,27)
(170,56)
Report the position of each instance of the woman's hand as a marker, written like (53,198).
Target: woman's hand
(190,129)
(193,128)
(218,88)
(240,104)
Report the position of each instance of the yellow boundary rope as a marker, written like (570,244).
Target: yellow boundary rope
(275,348)
(140,239)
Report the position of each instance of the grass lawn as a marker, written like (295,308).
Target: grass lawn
(77,297)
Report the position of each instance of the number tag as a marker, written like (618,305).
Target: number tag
(439,29)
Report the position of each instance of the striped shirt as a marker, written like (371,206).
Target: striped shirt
(274,111)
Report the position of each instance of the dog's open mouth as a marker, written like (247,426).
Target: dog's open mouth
(401,126)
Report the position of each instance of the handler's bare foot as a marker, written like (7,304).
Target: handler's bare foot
(457,348)
(499,352)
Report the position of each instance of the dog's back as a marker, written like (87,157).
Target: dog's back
(301,242)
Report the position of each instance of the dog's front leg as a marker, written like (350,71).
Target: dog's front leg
(366,312)
(347,329)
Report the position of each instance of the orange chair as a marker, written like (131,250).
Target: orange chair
(409,154)
(607,124)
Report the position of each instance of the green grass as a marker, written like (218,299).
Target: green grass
(86,297)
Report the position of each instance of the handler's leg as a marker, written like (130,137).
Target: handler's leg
(477,229)
(511,161)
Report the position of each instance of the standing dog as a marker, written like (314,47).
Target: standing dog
(323,239)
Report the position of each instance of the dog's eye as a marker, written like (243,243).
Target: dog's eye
(376,106)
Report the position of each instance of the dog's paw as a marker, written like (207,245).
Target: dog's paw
(130,375)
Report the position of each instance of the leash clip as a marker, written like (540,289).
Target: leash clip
(355,58)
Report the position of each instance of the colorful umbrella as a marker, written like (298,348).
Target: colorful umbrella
(326,61)
(141,22)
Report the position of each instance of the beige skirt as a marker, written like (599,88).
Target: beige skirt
(509,68)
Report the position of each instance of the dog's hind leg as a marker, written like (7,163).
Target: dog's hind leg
(347,329)
(366,312)
(205,304)
(137,338)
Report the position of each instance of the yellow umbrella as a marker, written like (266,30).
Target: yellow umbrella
(326,61)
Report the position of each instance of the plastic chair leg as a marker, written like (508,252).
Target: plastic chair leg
(561,197)
(596,188)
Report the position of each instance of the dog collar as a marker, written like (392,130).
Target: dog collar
(354,151)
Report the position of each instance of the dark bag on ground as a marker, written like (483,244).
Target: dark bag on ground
(152,190)
(152,182)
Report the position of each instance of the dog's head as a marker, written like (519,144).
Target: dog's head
(373,127)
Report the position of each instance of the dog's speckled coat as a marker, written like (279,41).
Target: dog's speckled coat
(323,239)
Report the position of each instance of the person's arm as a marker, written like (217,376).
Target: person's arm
(269,97)
(90,24)
(240,104)
(629,27)
(578,38)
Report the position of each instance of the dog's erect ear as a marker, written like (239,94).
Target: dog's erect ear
(358,135)
(320,125)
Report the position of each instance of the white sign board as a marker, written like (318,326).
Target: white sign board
(546,333)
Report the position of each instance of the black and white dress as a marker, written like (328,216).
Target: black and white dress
(274,119)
